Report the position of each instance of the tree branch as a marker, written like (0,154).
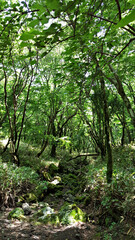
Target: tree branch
(107,20)
(119,10)
(131,40)
(85,155)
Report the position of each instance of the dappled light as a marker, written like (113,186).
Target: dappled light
(67,120)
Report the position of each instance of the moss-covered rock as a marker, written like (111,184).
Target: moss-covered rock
(17,213)
(55,185)
(46,215)
(53,169)
(70,213)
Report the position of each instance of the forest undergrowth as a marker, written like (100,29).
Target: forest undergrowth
(80,181)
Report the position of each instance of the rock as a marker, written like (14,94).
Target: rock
(56,180)
(26,208)
(53,169)
(70,213)
(55,185)
(17,213)
(46,215)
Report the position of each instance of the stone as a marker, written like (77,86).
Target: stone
(26,208)
(70,213)
(17,213)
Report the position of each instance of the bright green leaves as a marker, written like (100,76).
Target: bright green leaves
(71,5)
(38,7)
(132,2)
(53,4)
(2,4)
(26,36)
(126,20)
(52,29)
(34,23)
(30,35)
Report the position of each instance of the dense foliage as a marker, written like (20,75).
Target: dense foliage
(67,85)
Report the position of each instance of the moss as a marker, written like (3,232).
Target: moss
(70,213)
(17,213)
(46,215)
(52,219)
(52,188)
(53,169)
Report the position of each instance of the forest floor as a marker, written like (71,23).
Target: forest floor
(17,230)
(21,230)
(110,210)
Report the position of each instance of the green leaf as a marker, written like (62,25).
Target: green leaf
(53,4)
(71,5)
(44,54)
(24,44)
(44,20)
(26,36)
(126,20)
(132,1)
(33,62)
(38,7)
(34,23)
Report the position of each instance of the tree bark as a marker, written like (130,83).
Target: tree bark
(107,127)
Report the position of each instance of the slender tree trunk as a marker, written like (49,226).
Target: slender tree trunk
(6,146)
(107,127)
(44,145)
(123,128)
(128,134)
(53,150)
(54,146)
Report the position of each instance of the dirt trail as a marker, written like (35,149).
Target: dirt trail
(16,230)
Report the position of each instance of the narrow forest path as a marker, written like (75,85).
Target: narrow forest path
(17,230)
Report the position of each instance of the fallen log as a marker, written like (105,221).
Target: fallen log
(85,155)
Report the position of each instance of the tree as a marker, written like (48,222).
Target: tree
(96,55)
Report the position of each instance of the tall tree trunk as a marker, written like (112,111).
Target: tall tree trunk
(107,127)
(54,146)
(123,128)
(53,150)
